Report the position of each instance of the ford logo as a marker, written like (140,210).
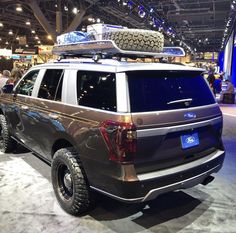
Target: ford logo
(190,140)
(190,115)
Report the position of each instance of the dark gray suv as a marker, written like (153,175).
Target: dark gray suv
(131,131)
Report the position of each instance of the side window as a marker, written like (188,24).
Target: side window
(51,85)
(97,90)
(26,85)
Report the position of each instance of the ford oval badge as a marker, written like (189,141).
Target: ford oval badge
(190,115)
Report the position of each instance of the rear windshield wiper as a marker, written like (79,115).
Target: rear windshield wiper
(185,101)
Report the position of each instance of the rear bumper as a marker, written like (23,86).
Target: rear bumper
(149,185)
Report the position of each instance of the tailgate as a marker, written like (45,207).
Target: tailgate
(163,145)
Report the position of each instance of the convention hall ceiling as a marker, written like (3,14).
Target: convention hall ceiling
(197,24)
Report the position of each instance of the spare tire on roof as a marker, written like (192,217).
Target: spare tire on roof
(137,40)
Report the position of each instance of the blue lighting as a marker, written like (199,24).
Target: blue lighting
(130,4)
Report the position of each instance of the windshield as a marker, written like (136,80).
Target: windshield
(167,90)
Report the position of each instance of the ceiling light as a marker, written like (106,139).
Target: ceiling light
(75,10)
(7,42)
(10,32)
(26,46)
(36,37)
(27,23)
(39,42)
(124,3)
(98,20)
(17,38)
(33,31)
(65,8)
(19,9)
(151,10)
(1,24)
(0,39)
(49,37)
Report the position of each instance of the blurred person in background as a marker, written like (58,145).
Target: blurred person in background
(229,89)
(218,84)
(15,76)
(6,74)
(211,79)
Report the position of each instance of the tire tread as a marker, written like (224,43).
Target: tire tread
(82,199)
(8,143)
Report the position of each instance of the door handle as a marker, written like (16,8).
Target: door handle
(53,116)
(24,107)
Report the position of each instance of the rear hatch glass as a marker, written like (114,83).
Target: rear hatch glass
(167,90)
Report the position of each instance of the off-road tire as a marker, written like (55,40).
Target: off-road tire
(78,199)
(137,40)
(7,144)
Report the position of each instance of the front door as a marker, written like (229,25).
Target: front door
(19,113)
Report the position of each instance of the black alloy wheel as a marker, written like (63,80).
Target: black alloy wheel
(70,183)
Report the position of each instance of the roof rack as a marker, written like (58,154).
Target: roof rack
(108,48)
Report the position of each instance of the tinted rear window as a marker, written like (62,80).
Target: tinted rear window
(158,90)
(97,90)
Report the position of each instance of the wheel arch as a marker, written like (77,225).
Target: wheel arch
(61,143)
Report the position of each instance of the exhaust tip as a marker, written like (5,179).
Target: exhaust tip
(208,180)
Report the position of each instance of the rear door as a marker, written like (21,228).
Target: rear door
(176,116)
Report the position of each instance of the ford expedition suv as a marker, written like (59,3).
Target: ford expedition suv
(131,131)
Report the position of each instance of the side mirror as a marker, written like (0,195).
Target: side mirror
(7,89)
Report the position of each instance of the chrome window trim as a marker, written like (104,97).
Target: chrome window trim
(176,110)
(165,130)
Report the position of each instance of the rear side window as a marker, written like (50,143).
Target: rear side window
(96,90)
(51,85)
(168,90)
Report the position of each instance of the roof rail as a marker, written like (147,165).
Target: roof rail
(107,48)
(87,60)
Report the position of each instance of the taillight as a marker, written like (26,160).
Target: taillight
(121,139)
